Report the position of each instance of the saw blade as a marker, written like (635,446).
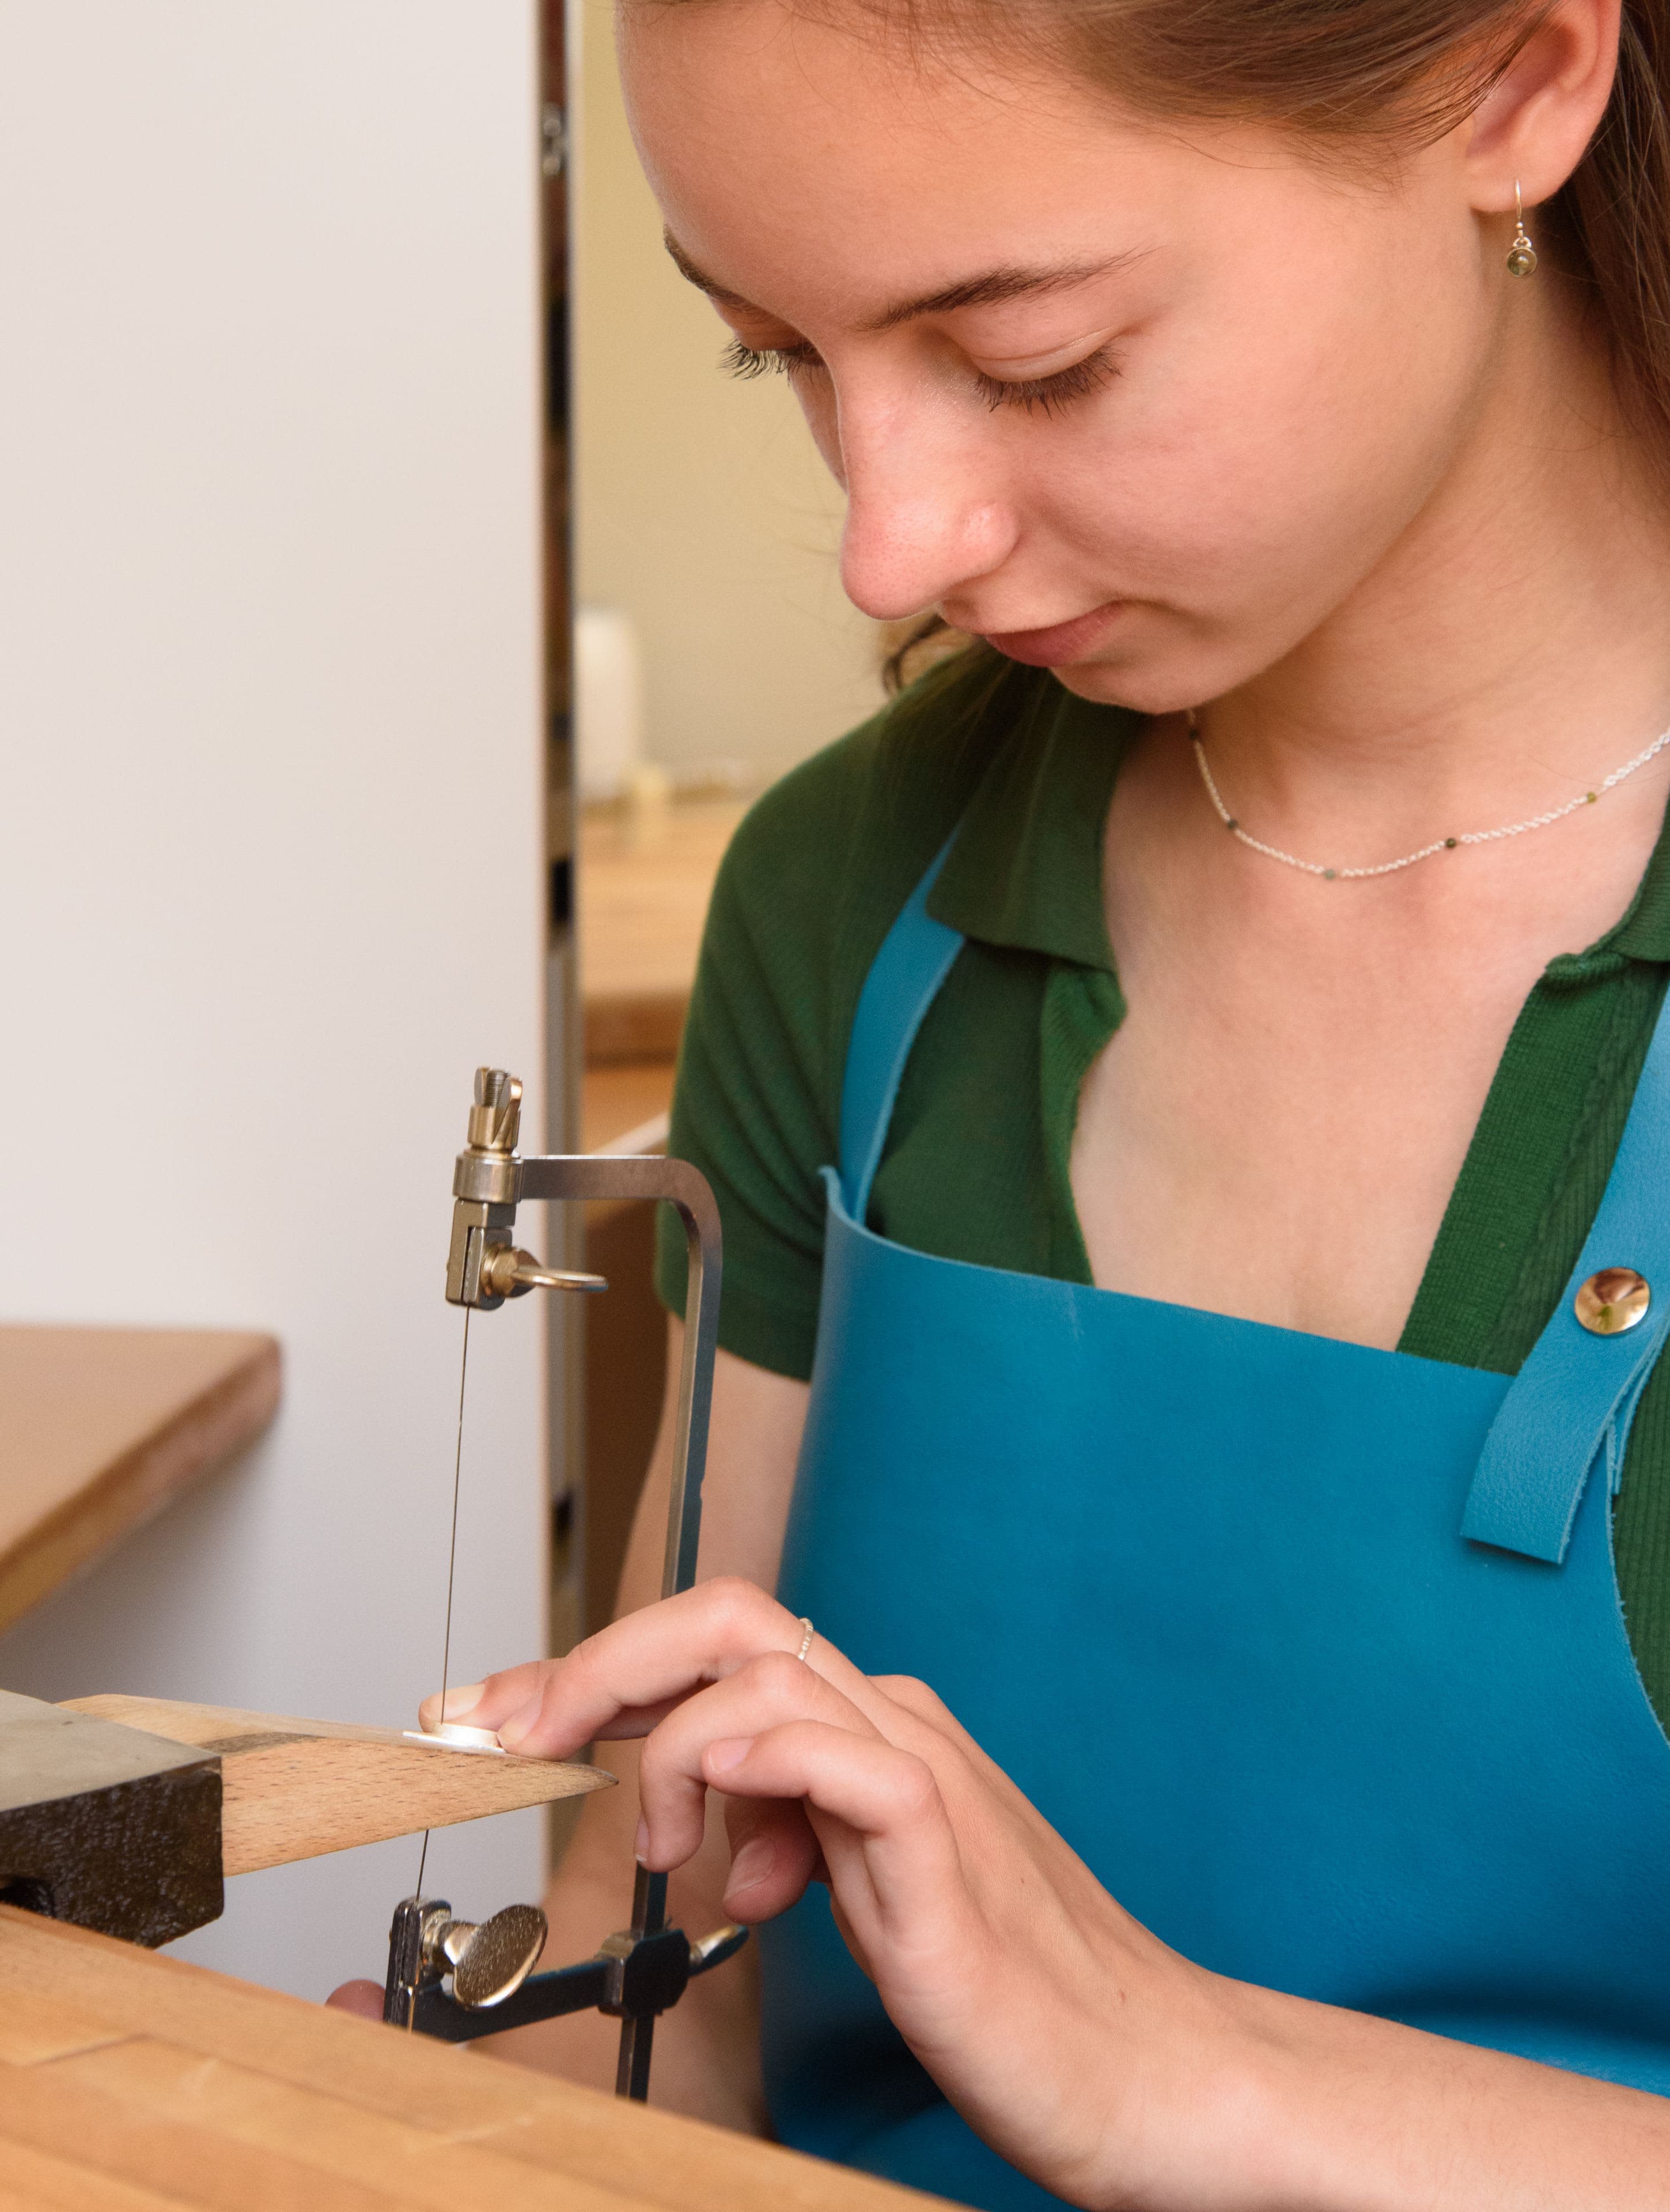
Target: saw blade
(452,1572)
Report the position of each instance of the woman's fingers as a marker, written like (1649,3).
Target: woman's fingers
(888,1802)
(484,1705)
(623,1681)
(775,1856)
(620,1681)
(672,1781)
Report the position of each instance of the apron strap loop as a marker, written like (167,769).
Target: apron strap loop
(1574,1400)
(914,960)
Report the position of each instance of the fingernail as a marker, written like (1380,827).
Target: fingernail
(729,1750)
(752,1864)
(462,1700)
(641,1842)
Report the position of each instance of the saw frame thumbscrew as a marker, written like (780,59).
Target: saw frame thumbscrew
(507,1272)
(485,1264)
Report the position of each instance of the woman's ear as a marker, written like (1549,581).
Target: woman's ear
(1536,122)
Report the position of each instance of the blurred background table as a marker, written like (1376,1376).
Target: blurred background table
(645,876)
(100,1428)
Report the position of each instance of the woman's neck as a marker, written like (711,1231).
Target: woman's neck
(1511,647)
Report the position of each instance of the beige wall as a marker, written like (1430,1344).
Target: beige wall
(702,506)
(270,656)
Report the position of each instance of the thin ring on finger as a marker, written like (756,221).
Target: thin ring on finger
(805,1640)
(673,1780)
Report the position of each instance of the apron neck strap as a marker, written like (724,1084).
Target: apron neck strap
(915,957)
(1571,1404)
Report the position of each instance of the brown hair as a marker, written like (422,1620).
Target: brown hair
(1377,72)
(1387,70)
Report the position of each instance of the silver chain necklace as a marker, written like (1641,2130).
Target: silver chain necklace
(1438,844)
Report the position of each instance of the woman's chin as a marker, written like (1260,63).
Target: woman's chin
(1157,666)
(1141,688)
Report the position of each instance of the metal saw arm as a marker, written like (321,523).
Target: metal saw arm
(631,1977)
(643,1970)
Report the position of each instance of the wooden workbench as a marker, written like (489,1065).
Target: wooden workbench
(100,1427)
(131,2083)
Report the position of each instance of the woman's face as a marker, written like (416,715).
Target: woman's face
(1143,404)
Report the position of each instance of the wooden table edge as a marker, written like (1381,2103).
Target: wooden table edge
(192,1442)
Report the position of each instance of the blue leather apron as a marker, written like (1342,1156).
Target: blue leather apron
(1313,1652)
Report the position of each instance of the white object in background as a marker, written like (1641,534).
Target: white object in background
(609,701)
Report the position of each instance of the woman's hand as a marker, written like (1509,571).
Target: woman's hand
(1076,2044)
(1099,2062)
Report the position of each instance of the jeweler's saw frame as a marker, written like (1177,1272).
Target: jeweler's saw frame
(642,1970)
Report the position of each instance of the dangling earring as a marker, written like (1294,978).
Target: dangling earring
(1521,254)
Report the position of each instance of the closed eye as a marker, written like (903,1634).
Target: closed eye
(1048,395)
(1035,395)
(746,360)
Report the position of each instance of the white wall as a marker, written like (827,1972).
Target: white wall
(269,831)
(701,507)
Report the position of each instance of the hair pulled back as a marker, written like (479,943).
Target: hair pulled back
(1369,71)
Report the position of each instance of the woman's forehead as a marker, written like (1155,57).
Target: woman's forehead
(786,151)
(779,67)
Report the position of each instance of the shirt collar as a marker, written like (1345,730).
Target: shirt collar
(1025,867)
(1644,931)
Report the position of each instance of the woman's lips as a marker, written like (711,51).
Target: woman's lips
(1060,644)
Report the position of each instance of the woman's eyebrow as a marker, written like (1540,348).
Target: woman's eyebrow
(989,289)
(995,286)
(711,285)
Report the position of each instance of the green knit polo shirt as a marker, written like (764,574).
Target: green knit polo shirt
(976,1162)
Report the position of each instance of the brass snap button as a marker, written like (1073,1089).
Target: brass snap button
(1612,1301)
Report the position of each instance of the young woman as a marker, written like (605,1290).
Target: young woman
(1220,1360)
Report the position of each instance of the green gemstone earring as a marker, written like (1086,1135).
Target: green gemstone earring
(1521,254)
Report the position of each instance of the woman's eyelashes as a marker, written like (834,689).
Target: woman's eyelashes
(747,360)
(1048,395)
(1036,395)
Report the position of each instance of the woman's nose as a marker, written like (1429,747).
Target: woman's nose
(921,525)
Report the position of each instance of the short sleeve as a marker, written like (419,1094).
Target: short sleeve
(809,887)
(754,1105)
